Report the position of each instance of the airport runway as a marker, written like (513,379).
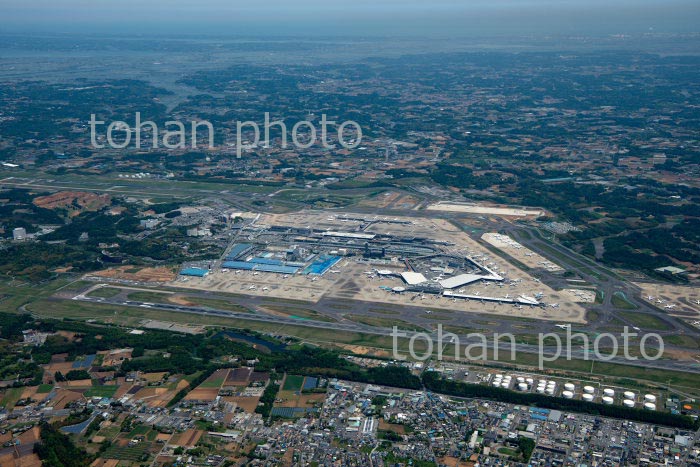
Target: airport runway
(356,327)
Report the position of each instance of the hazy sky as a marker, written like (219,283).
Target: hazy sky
(375,17)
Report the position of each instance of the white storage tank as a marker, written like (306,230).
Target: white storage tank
(607,400)
(540,389)
(496,384)
(567,394)
(588,397)
(522,386)
(505,385)
(608,392)
(569,386)
(649,406)
(628,403)
(549,391)
(650,398)
(588,389)
(529,381)
(521,379)
(629,395)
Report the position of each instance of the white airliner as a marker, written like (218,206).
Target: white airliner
(697,302)
(507,296)
(672,305)
(650,298)
(265,289)
(563,326)
(554,305)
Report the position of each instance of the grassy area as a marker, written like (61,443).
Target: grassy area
(125,453)
(293,383)
(10,397)
(218,304)
(214,383)
(303,313)
(619,300)
(384,322)
(44,388)
(139,430)
(599,296)
(683,341)
(101,391)
(155,297)
(645,321)
(105,292)
(592,316)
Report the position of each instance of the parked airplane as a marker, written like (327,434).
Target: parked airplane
(697,302)
(563,326)
(650,298)
(672,305)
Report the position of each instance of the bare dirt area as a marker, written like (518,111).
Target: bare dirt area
(138,274)
(247,404)
(75,201)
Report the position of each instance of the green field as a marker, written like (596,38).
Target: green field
(304,313)
(139,430)
(293,383)
(10,397)
(620,301)
(124,453)
(105,292)
(384,322)
(214,383)
(101,391)
(645,321)
(44,388)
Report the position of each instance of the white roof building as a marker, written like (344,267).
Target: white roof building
(413,278)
